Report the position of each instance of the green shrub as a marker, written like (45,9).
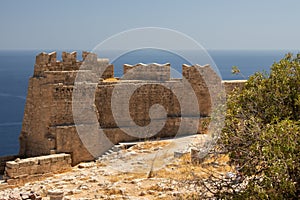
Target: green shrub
(262,132)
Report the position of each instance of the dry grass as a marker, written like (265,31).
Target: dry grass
(183,169)
(186,170)
(111,80)
(177,180)
(126,176)
(150,145)
(174,177)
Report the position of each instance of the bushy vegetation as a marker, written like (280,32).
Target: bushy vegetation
(262,132)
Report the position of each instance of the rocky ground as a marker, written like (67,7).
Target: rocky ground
(147,170)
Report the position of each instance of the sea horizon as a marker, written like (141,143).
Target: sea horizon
(16,67)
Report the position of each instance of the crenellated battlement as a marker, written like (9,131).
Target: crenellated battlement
(48,124)
(48,62)
(192,71)
(66,57)
(153,71)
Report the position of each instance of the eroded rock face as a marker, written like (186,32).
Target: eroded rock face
(48,124)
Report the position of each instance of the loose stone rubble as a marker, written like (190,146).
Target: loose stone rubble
(102,180)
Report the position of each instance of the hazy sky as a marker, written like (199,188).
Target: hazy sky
(216,24)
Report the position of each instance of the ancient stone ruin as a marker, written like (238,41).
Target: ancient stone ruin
(49,126)
(23,170)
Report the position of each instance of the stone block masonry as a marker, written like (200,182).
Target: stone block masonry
(3,160)
(23,170)
(48,124)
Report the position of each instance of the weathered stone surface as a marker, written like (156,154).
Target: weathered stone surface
(48,123)
(99,181)
(56,194)
(3,160)
(28,169)
(147,72)
(233,84)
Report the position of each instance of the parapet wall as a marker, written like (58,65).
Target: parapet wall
(48,63)
(48,124)
(23,170)
(154,72)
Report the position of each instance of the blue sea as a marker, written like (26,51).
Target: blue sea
(16,67)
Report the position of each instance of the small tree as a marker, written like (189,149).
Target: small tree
(262,132)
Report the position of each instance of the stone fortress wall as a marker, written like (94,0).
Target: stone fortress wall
(48,124)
